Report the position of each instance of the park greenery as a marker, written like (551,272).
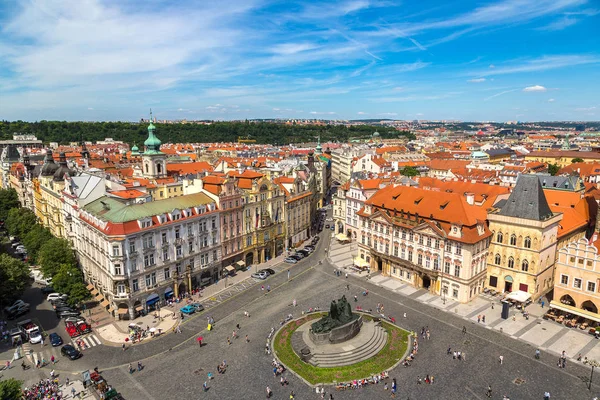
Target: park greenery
(553,169)
(576,160)
(10,389)
(409,171)
(129,132)
(393,351)
(54,256)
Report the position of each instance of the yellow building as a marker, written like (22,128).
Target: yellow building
(577,277)
(48,196)
(562,157)
(523,247)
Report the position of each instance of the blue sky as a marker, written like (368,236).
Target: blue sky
(232,59)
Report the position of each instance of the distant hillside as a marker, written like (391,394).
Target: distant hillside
(262,132)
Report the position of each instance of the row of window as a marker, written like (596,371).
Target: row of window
(513,240)
(511,263)
(423,240)
(577,283)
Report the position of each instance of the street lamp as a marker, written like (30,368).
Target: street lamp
(593,364)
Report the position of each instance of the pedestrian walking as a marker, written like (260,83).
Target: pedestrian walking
(130,368)
(123,346)
(237,326)
(53,360)
(228,341)
(246,314)
(501,359)
(385,386)
(269,392)
(139,366)
(464,330)
(247,340)
(394,387)
(346,275)
(347,287)
(234,335)
(67,381)
(546,395)
(294,303)
(483,319)
(489,391)
(478,318)
(178,329)
(73,391)
(404,315)
(463,356)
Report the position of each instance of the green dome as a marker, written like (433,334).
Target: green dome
(135,149)
(152,143)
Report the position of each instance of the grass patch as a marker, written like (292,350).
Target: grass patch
(394,349)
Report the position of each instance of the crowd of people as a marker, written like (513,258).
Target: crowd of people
(47,389)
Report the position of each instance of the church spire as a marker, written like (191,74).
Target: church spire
(152,143)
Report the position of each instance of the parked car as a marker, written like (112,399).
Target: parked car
(199,307)
(290,260)
(316,238)
(188,309)
(268,271)
(260,275)
(17,312)
(55,339)
(65,314)
(70,351)
(35,337)
(327,226)
(18,303)
(65,308)
(59,304)
(309,249)
(47,290)
(74,319)
(332,228)
(305,253)
(56,296)
(298,255)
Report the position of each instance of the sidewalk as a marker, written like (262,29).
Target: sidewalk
(115,333)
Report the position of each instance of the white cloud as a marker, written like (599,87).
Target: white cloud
(550,100)
(419,114)
(322,113)
(539,64)
(276,109)
(387,114)
(500,94)
(559,24)
(287,49)
(362,113)
(535,88)
(585,109)
(476,80)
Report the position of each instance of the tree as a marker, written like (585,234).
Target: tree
(410,171)
(69,279)
(553,169)
(20,221)
(53,254)
(576,160)
(10,389)
(14,276)
(35,239)
(8,199)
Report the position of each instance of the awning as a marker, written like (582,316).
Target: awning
(122,311)
(94,292)
(104,303)
(241,263)
(229,268)
(152,299)
(90,286)
(359,262)
(139,308)
(341,237)
(111,309)
(100,297)
(575,310)
(519,295)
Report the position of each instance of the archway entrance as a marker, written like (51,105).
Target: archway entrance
(267,254)
(182,288)
(426,282)
(588,305)
(379,264)
(508,283)
(249,258)
(340,228)
(568,300)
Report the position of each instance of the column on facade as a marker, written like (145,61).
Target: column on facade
(176,284)
(131,312)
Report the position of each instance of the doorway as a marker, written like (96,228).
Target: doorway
(379,264)
(507,286)
(426,282)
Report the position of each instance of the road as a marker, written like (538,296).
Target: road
(176,367)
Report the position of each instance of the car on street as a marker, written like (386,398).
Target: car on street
(305,253)
(17,312)
(327,226)
(297,257)
(47,290)
(56,296)
(35,337)
(74,319)
(260,275)
(290,260)
(332,228)
(316,238)
(65,314)
(55,339)
(188,309)
(70,351)
(18,303)
(58,304)
(199,307)
(268,271)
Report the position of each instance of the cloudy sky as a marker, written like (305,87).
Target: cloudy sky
(232,59)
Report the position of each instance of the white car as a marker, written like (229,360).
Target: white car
(35,337)
(19,303)
(56,296)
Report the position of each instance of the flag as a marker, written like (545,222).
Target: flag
(277,214)
(257,217)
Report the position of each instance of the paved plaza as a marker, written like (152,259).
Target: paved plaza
(175,366)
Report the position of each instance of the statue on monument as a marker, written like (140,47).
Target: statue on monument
(340,313)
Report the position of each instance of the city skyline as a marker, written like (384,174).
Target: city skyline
(504,60)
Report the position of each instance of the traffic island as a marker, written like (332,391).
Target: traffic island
(378,347)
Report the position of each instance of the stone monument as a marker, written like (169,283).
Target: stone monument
(338,326)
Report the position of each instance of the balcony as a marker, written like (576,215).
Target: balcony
(121,296)
(148,249)
(179,240)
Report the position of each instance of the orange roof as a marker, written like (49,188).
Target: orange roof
(390,149)
(369,184)
(482,192)
(582,169)
(443,164)
(128,194)
(189,168)
(575,209)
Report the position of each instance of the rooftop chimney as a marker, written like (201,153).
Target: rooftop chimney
(470,198)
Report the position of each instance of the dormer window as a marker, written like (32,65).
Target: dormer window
(145,223)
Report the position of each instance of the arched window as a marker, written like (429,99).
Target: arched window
(513,240)
(146,167)
(499,237)
(497,259)
(527,242)
(525,266)
(511,262)
(158,168)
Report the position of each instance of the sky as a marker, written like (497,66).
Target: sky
(506,60)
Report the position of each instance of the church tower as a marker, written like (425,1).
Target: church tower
(154,161)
